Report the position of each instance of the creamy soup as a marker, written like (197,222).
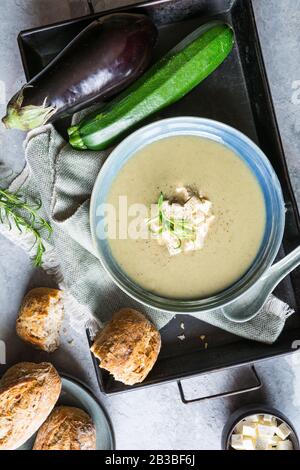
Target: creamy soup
(234,237)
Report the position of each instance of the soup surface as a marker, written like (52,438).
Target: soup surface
(233,239)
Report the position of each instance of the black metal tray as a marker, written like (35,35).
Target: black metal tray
(237,94)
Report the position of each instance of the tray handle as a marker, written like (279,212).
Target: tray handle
(239,391)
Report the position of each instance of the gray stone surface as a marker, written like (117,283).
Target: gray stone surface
(155,419)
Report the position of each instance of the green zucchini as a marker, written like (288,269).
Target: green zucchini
(183,68)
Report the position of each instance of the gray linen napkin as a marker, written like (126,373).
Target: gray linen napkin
(63,179)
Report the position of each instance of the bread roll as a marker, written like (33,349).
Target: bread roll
(28,393)
(40,318)
(67,428)
(128,346)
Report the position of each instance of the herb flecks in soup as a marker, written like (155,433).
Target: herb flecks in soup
(181,224)
(234,237)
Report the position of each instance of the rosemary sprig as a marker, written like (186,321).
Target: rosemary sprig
(14,209)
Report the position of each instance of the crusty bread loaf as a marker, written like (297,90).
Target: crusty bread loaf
(28,393)
(67,428)
(127,346)
(40,318)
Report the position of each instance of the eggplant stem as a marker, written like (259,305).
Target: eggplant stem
(27,117)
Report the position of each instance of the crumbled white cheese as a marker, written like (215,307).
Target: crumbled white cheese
(199,242)
(190,222)
(198,218)
(205,206)
(155,229)
(172,243)
(173,251)
(184,193)
(189,245)
(261,432)
(166,206)
(181,337)
(177,211)
(193,205)
(209,220)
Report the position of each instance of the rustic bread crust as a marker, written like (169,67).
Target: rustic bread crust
(34,324)
(128,346)
(28,393)
(67,428)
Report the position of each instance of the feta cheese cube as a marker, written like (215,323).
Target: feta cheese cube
(184,193)
(177,211)
(199,242)
(283,431)
(173,251)
(285,445)
(209,220)
(266,431)
(249,429)
(189,245)
(172,243)
(202,230)
(167,208)
(252,418)
(262,443)
(269,419)
(205,206)
(198,218)
(275,440)
(169,238)
(248,443)
(192,205)
(239,427)
(155,229)
(237,442)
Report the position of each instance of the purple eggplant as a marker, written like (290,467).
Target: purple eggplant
(103,59)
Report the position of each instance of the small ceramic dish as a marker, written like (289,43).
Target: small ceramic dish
(74,393)
(250,410)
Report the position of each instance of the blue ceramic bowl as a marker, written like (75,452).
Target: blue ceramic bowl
(248,152)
